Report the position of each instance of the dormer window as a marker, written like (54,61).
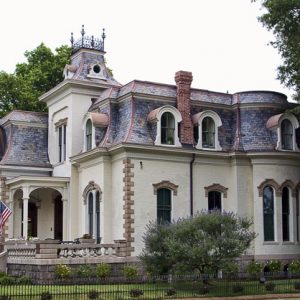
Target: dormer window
(167,128)
(94,127)
(206,130)
(286,125)
(167,119)
(208,133)
(286,134)
(88,134)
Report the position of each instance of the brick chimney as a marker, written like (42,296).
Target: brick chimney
(183,81)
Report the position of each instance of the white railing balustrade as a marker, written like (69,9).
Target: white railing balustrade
(83,250)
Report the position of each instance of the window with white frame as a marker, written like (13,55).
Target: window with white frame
(167,119)
(286,125)
(285,214)
(268,214)
(62,147)
(88,134)
(93,215)
(164,206)
(206,131)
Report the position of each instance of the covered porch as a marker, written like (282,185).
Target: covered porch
(39,206)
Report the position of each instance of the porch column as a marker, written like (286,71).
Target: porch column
(65,219)
(25,217)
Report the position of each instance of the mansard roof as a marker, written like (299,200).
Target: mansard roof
(26,139)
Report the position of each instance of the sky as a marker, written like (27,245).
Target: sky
(220,41)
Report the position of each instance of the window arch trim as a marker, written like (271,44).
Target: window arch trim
(217,188)
(165,184)
(156,115)
(269,182)
(89,188)
(197,121)
(289,184)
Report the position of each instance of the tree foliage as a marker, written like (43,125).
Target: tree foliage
(282,17)
(207,242)
(42,71)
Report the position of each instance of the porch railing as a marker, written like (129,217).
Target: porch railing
(53,249)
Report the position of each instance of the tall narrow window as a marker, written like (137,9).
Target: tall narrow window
(268,212)
(64,142)
(164,205)
(285,214)
(208,133)
(98,238)
(214,200)
(62,132)
(88,134)
(286,135)
(90,213)
(167,128)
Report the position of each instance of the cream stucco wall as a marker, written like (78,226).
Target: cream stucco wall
(280,170)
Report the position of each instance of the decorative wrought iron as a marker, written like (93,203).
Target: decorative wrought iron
(87,42)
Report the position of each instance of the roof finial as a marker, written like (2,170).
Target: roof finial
(72,39)
(103,36)
(82,34)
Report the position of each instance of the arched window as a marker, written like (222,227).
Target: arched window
(214,200)
(285,214)
(208,133)
(164,205)
(90,213)
(268,213)
(167,128)
(93,211)
(207,123)
(98,238)
(286,135)
(88,134)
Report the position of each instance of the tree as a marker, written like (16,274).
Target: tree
(283,19)
(42,71)
(207,242)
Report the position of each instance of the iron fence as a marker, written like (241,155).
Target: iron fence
(144,287)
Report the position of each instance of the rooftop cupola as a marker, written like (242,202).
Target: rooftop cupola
(87,60)
(88,42)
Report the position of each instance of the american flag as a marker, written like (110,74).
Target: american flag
(5,212)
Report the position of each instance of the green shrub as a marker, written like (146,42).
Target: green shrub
(136,293)
(23,280)
(253,268)
(84,271)
(46,296)
(93,294)
(294,267)
(270,286)
(103,270)
(62,271)
(130,272)
(2,274)
(7,280)
(231,268)
(274,266)
(237,288)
